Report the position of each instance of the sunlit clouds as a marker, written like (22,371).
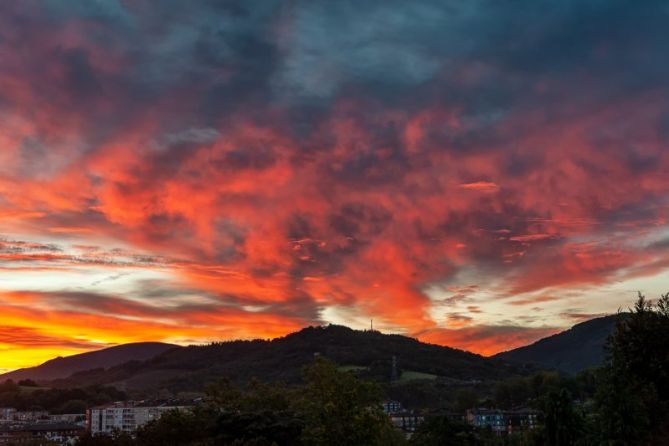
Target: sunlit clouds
(476,175)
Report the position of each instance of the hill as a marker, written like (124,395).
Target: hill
(570,351)
(106,358)
(282,359)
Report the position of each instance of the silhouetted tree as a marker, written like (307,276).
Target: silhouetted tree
(563,425)
(339,409)
(440,430)
(633,390)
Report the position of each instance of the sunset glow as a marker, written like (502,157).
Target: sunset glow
(474,174)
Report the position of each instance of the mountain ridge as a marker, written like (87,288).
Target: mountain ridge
(62,367)
(570,351)
(148,364)
(283,359)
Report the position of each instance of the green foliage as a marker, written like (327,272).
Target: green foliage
(282,360)
(466,399)
(119,439)
(57,400)
(174,428)
(438,431)
(339,408)
(622,416)
(73,406)
(410,375)
(633,389)
(563,424)
(512,393)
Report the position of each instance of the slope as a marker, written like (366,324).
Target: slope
(109,357)
(570,351)
(282,359)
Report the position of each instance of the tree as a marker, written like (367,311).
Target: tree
(258,415)
(622,417)
(73,407)
(563,425)
(466,399)
(440,430)
(173,428)
(512,392)
(262,428)
(121,439)
(339,409)
(633,392)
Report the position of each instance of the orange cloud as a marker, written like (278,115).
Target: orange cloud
(486,340)
(481,186)
(151,188)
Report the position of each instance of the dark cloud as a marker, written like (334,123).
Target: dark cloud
(284,157)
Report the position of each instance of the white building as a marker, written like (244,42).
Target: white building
(124,417)
(7,414)
(75,418)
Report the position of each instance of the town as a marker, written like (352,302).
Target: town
(44,428)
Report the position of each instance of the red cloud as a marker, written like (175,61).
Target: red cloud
(481,186)
(276,210)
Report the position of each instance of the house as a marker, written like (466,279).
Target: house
(487,418)
(521,420)
(392,406)
(7,414)
(407,421)
(32,416)
(58,433)
(125,416)
(74,418)
(504,422)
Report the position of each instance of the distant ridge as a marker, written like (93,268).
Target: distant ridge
(283,359)
(570,351)
(109,357)
(148,365)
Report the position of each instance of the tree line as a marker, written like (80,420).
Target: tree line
(25,395)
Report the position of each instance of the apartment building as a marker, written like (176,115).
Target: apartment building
(125,417)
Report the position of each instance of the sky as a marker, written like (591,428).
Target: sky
(475,174)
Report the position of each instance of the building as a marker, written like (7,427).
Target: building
(7,414)
(407,421)
(32,416)
(521,420)
(392,406)
(487,418)
(504,422)
(125,417)
(74,418)
(54,433)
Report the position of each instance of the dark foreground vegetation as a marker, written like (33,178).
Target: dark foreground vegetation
(26,395)
(625,402)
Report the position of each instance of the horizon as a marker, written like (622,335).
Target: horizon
(474,175)
(109,346)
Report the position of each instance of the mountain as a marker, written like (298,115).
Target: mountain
(570,351)
(106,358)
(283,359)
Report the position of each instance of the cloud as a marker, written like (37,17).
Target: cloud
(28,338)
(481,186)
(272,161)
(534,300)
(487,340)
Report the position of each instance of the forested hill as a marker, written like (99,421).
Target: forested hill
(105,358)
(189,368)
(570,351)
